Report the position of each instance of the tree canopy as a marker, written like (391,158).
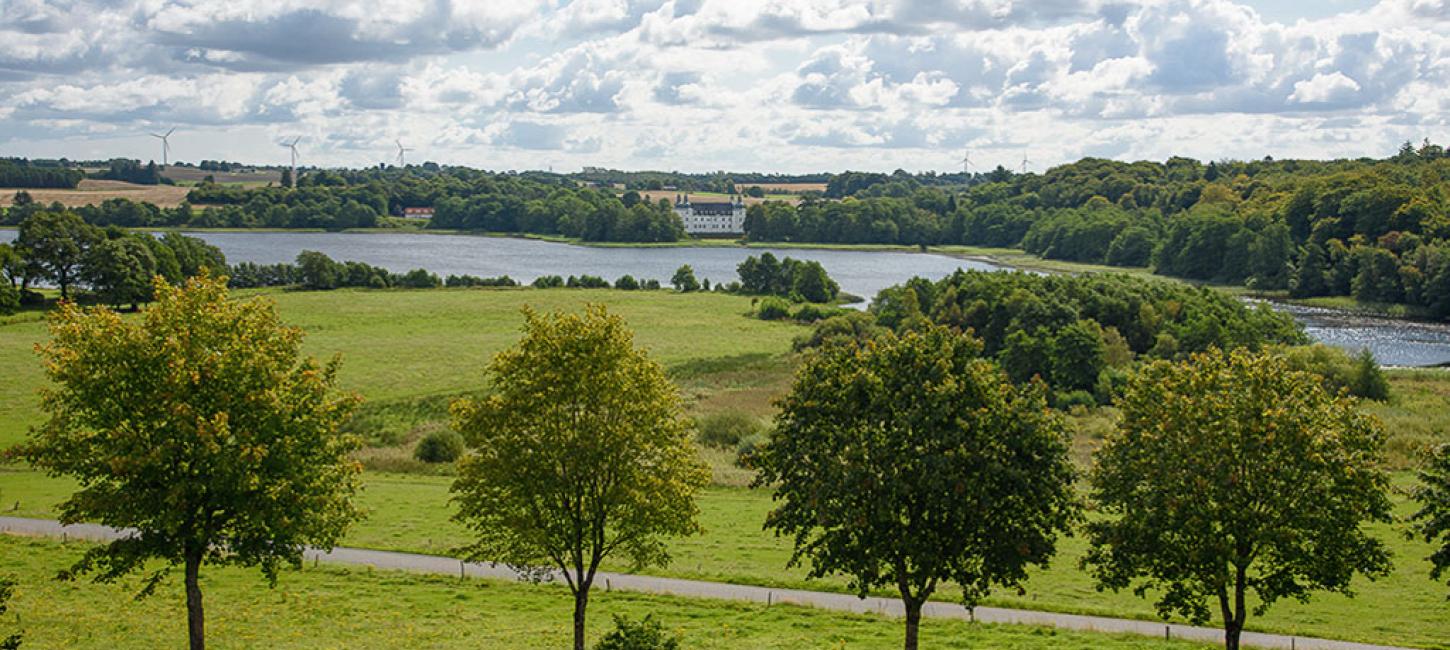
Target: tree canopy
(581,453)
(1231,474)
(200,426)
(910,462)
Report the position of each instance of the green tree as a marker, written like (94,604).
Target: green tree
(582,453)
(684,279)
(54,246)
(812,283)
(909,462)
(215,440)
(12,265)
(319,271)
(1229,473)
(1368,380)
(1432,521)
(1078,355)
(120,271)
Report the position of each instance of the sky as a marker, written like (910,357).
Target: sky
(702,85)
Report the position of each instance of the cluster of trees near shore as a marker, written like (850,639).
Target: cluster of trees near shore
(1376,230)
(116,265)
(908,460)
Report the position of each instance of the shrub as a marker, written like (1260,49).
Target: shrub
(1066,400)
(627,283)
(31,298)
(726,430)
(586,282)
(442,446)
(745,451)
(645,634)
(548,282)
(773,308)
(810,313)
(419,279)
(1367,380)
(651,285)
(9,298)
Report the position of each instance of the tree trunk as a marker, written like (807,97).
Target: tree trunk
(913,622)
(581,601)
(195,618)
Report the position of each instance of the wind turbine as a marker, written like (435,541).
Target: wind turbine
(292,146)
(1025,162)
(967,163)
(165,145)
(402,161)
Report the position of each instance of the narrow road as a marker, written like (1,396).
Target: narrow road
(724,591)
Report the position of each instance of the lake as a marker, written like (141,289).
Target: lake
(862,273)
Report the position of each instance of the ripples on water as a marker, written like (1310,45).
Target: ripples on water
(861,273)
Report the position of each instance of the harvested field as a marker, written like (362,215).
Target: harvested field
(669,195)
(785,188)
(256,177)
(93,192)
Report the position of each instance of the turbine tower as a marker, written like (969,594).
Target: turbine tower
(292,146)
(165,145)
(402,160)
(1025,162)
(967,163)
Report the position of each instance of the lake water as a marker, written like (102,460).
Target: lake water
(861,273)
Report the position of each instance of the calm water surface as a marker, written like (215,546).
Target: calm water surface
(861,273)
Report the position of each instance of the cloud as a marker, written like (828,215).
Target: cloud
(769,84)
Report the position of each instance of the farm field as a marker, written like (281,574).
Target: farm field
(355,607)
(787,188)
(194,175)
(654,196)
(94,192)
(410,352)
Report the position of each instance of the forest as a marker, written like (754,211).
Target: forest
(1375,230)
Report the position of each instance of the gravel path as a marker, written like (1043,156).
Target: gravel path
(725,591)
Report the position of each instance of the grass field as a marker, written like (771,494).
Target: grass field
(350,607)
(94,192)
(252,179)
(410,352)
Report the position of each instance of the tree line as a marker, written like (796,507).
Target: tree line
(115,265)
(1373,229)
(19,172)
(1083,335)
(910,461)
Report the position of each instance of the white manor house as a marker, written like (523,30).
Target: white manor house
(713,218)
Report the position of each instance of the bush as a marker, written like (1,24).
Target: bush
(548,282)
(443,446)
(646,634)
(773,308)
(1066,400)
(1368,380)
(626,283)
(586,282)
(9,298)
(726,430)
(31,298)
(420,279)
(811,312)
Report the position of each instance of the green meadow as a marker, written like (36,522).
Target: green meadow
(409,353)
(358,608)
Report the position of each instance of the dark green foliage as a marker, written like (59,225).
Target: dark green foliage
(684,279)
(880,461)
(442,446)
(773,308)
(120,270)
(19,172)
(1368,381)
(626,283)
(548,282)
(811,312)
(847,327)
(726,430)
(644,634)
(9,298)
(586,282)
(789,278)
(475,281)
(132,171)
(416,279)
(54,247)
(1432,520)
(1056,326)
